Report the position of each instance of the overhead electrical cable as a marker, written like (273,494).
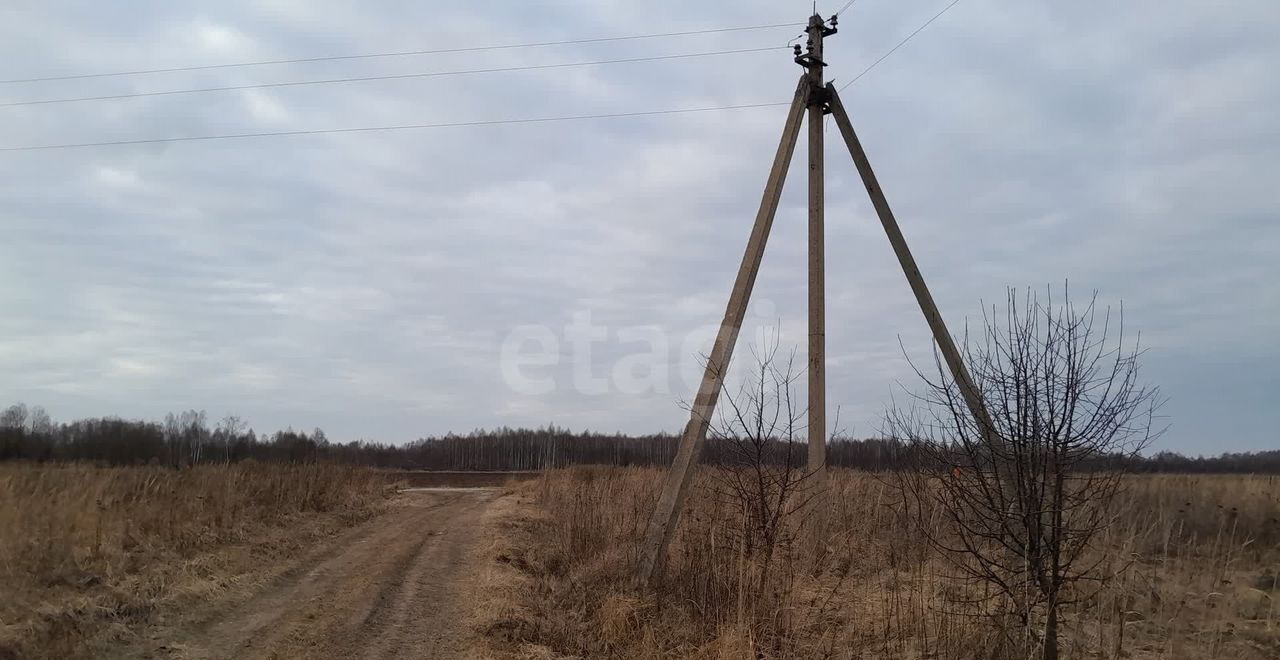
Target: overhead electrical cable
(533,120)
(398,76)
(900,44)
(841,10)
(404,127)
(405,53)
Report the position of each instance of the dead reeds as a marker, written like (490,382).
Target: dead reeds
(1191,562)
(85,550)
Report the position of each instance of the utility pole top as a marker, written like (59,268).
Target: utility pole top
(817,30)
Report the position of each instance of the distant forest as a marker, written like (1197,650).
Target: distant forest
(29,434)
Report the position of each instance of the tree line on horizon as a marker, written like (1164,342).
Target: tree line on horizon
(190,438)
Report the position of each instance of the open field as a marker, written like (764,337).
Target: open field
(459,479)
(1195,559)
(325,561)
(89,556)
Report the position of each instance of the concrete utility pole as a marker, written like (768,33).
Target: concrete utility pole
(817,427)
(818,99)
(676,487)
(946,345)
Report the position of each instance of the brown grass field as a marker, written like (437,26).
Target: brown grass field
(456,479)
(1194,560)
(89,554)
(91,557)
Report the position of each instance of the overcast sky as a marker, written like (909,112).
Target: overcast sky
(365,283)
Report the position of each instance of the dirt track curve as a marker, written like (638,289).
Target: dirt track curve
(390,588)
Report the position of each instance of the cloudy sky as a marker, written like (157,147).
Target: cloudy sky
(367,283)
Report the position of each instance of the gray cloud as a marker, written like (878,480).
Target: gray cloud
(365,282)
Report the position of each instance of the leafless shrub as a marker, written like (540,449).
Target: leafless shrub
(1022,502)
(760,478)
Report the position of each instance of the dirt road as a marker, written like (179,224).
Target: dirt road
(392,587)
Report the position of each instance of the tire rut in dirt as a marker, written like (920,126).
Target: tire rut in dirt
(382,591)
(421,619)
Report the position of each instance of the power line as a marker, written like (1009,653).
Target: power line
(841,10)
(371,129)
(405,53)
(400,76)
(900,44)
(405,127)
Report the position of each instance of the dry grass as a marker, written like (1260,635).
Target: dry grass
(91,552)
(1196,558)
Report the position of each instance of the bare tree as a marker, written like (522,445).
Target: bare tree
(1021,503)
(195,434)
(40,423)
(185,435)
(760,433)
(14,417)
(229,430)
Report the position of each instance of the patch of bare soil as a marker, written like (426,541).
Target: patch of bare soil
(392,587)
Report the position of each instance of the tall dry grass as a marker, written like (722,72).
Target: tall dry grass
(1194,560)
(87,551)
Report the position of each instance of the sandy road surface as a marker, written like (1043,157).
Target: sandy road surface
(390,588)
